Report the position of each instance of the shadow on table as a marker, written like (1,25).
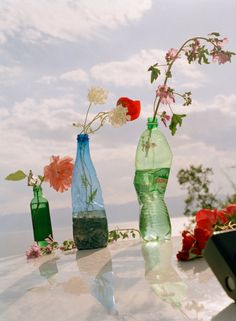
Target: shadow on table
(228,314)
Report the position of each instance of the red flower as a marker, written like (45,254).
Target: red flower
(231,209)
(222,216)
(188,243)
(206,219)
(202,236)
(133,106)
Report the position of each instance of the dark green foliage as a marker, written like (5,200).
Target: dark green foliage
(196,181)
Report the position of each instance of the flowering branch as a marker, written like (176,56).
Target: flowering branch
(58,173)
(194,51)
(126,110)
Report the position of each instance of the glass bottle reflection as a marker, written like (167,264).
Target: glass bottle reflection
(160,274)
(48,270)
(99,275)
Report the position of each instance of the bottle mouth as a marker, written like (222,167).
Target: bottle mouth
(82,138)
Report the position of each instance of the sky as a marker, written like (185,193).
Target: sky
(53,52)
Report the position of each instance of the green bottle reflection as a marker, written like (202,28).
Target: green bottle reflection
(40,215)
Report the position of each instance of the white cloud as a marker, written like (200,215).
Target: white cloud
(132,72)
(67,20)
(47,80)
(9,74)
(75,75)
(225,104)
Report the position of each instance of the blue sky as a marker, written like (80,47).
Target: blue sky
(52,52)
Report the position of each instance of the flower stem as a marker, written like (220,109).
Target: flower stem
(86,117)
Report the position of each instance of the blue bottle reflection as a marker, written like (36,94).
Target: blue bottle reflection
(96,267)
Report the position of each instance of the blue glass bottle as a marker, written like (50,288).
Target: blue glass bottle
(90,228)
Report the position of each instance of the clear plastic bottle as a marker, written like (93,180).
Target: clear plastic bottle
(152,167)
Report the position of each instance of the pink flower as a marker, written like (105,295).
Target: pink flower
(59,173)
(164,118)
(166,95)
(33,251)
(220,57)
(171,55)
(221,42)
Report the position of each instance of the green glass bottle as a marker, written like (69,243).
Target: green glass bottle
(152,163)
(40,215)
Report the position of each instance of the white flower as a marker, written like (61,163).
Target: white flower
(118,116)
(97,95)
(34,180)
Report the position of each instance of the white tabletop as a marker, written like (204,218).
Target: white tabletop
(128,281)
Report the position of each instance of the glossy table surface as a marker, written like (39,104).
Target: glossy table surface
(128,280)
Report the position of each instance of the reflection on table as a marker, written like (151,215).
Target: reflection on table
(128,280)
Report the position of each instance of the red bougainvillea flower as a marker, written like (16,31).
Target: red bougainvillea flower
(222,216)
(220,57)
(166,94)
(171,55)
(59,173)
(188,243)
(202,237)
(206,219)
(133,107)
(231,210)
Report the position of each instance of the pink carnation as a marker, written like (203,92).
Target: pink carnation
(165,94)
(172,54)
(220,57)
(33,251)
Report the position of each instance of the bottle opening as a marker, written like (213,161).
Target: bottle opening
(82,138)
(152,123)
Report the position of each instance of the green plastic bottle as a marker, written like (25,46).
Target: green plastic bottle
(152,166)
(40,215)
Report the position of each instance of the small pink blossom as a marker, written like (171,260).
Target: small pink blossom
(171,55)
(33,251)
(220,57)
(165,94)
(196,45)
(221,42)
(165,118)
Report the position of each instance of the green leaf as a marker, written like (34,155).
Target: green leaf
(155,72)
(214,34)
(175,121)
(92,196)
(17,176)
(41,178)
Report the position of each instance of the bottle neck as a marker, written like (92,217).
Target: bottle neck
(82,146)
(37,191)
(152,123)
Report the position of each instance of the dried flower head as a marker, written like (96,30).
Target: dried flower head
(97,95)
(118,116)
